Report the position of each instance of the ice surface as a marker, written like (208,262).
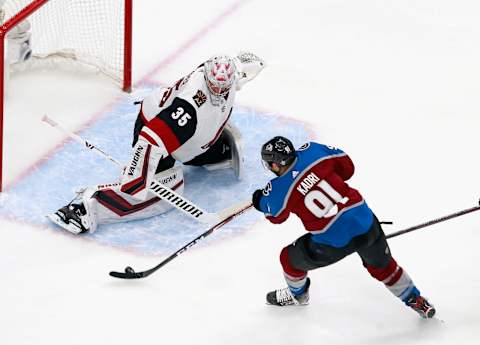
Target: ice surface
(52,184)
(395,84)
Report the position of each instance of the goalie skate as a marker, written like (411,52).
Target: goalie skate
(70,218)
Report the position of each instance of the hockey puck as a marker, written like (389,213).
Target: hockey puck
(129,270)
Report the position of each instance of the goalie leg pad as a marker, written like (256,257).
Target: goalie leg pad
(233,139)
(236,146)
(115,206)
(142,167)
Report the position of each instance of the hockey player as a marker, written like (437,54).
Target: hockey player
(186,122)
(311,182)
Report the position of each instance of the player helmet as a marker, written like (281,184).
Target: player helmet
(219,74)
(278,150)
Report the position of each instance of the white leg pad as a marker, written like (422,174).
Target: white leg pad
(236,146)
(114,206)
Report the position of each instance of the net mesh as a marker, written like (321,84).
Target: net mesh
(86,31)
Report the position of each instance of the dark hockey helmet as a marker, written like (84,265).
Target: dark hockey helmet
(278,150)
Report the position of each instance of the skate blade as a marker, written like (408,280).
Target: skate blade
(288,305)
(54,218)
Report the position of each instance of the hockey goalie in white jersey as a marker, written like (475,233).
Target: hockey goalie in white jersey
(188,123)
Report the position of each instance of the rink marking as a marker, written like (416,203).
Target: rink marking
(161,234)
(45,157)
(105,111)
(212,24)
(219,19)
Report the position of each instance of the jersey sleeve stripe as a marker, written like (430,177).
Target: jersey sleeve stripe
(145,135)
(160,128)
(153,138)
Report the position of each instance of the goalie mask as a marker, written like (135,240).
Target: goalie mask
(278,150)
(220,74)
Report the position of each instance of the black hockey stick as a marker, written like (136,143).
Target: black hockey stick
(435,221)
(130,273)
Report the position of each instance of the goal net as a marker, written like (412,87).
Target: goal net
(95,34)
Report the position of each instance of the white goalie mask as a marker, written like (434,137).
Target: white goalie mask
(220,74)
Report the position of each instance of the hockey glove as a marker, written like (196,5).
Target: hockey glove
(256,197)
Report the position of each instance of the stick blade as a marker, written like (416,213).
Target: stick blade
(123,275)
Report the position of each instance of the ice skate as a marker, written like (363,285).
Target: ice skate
(421,306)
(284,297)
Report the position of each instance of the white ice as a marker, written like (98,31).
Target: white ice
(395,84)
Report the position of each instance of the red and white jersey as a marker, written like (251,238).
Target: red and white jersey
(186,118)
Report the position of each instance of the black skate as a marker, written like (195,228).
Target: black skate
(284,297)
(70,218)
(421,306)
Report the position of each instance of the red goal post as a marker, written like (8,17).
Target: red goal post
(95,33)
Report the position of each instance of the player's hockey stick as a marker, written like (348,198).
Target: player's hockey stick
(435,221)
(129,272)
(162,191)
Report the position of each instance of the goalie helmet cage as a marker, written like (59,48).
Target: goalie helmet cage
(92,33)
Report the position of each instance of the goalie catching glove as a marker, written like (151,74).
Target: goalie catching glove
(248,67)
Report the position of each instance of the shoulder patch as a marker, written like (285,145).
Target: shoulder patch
(295,173)
(200,98)
(304,147)
(332,147)
(268,188)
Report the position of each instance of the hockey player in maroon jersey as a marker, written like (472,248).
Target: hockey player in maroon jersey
(311,183)
(186,122)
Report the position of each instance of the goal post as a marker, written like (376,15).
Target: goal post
(92,33)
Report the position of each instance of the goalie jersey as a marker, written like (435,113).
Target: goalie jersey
(315,189)
(185,118)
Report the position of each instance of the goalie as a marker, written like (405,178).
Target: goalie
(187,122)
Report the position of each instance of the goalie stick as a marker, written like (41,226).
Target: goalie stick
(162,191)
(129,272)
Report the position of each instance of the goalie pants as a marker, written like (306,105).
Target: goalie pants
(305,255)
